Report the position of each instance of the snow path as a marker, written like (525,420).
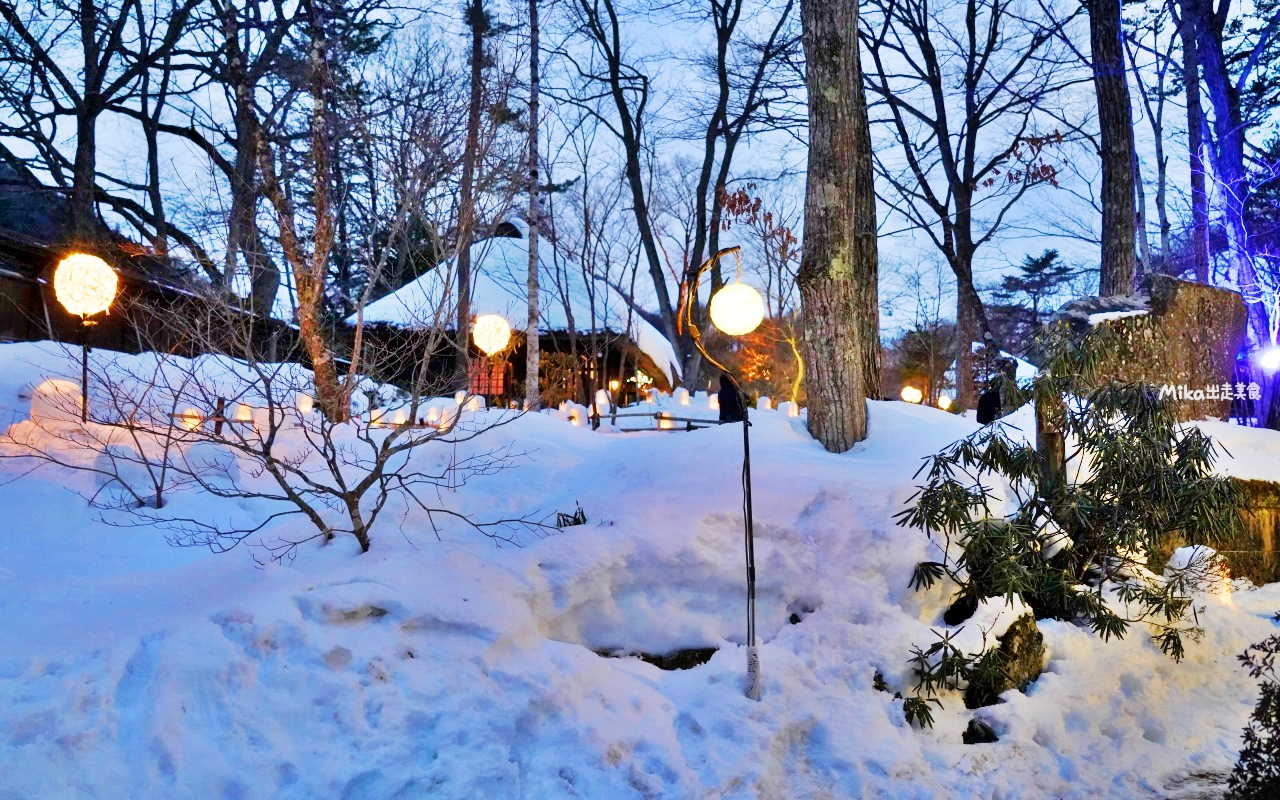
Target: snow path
(458,669)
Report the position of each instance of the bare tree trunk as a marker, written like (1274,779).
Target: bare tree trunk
(969,313)
(532,400)
(1229,159)
(311,269)
(478,21)
(244,237)
(1195,145)
(1143,264)
(1116,127)
(838,268)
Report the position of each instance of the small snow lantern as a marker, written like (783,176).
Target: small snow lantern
(491,333)
(665,423)
(737,309)
(401,417)
(944,401)
(681,396)
(433,416)
(85,284)
(764,404)
(911,394)
(55,401)
(603,403)
(304,403)
(713,401)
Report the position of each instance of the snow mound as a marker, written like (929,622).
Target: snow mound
(442,665)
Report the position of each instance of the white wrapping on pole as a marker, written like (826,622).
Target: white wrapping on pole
(753,673)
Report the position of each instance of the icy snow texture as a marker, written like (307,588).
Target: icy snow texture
(501,271)
(456,669)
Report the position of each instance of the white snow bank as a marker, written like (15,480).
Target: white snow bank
(453,668)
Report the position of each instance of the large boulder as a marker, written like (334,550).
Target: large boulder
(1013,665)
(1174,334)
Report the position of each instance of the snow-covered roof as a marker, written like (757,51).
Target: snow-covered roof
(500,268)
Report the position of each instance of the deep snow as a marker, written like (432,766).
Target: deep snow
(132,669)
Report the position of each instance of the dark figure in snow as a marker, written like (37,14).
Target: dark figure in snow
(731,409)
(989,405)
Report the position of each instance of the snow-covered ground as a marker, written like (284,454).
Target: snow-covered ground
(459,669)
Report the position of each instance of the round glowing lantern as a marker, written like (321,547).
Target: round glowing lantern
(1270,359)
(737,309)
(85,284)
(911,394)
(491,333)
(944,401)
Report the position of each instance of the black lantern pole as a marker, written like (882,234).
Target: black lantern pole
(753,658)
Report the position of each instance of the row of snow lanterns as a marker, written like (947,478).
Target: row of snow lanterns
(912,394)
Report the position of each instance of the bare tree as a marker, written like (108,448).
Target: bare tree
(747,74)
(838,268)
(235,423)
(532,343)
(115,43)
(1199,233)
(230,426)
(1152,79)
(961,89)
(1228,77)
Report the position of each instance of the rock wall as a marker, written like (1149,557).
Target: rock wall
(1251,553)
(1188,337)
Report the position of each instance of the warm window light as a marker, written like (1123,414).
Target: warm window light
(85,284)
(944,401)
(911,394)
(737,309)
(491,333)
(1270,359)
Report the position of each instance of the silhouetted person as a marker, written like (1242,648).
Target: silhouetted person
(989,406)
(731,409)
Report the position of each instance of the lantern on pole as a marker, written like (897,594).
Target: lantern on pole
(85,285)
(737,309)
